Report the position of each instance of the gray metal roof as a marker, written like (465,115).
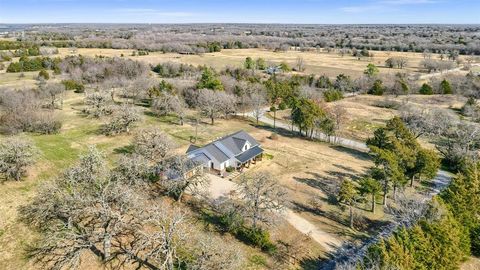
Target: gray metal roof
(201,159)
(192,148)
(235,142)
(231,144)
(216,153)
(249,154)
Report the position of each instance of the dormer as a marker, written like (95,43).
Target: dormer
(246,146)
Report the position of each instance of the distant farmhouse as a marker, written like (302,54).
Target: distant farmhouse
(235,151)
(274,70)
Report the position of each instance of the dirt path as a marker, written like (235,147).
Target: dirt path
(220,186)
(327,240)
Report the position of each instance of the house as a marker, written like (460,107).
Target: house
(235,151)
(274,70)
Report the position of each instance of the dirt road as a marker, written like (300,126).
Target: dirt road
(221,186)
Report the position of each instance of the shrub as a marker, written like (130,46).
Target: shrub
(44,74)
(32,64)
(285,67)
(230,169)
(388,104)
(274,136)
(377,88)
(332,95)
(74,85)
(5,57)
(46,126)
(257,237)
(426,89)
(282,106)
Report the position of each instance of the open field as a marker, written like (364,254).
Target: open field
(363,113)
(18,80)
(320,62)
(309,170)
(301,171)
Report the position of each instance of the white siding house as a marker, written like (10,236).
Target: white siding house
(232,151)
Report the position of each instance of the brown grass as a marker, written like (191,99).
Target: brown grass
(317,62)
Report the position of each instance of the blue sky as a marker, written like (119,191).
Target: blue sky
(240,11)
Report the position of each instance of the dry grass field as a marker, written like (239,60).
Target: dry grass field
(308,169)
(301,171)
(363,113)
(317,62)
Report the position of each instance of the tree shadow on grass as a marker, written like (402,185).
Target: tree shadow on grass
(328,184)
(311,263)
(280,131)
(352,152)
(331,215)
(127,149)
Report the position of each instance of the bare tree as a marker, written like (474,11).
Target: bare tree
(133,170)
(338,114)
(153,144)
(167,104)
(228,103)
(407,211)
(113,84)
(262,197)
(98,104)
(15,156)
(180,174)
(55,93)
(87,210)
(300,64)
(22,111)
(123,118)
(138,88)
(426,121)
(214,253)
(258,102)
(210,102)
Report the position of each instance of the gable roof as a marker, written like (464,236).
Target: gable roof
(249,154)
(226,147)
(216,153)
(192,147)
(235,142)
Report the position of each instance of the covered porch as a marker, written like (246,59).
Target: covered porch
(251,156)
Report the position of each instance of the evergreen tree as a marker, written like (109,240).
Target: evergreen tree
(445,87)
(370,186)
(371,70)
(209,81)
(426,89)
(346,195)
(377,88)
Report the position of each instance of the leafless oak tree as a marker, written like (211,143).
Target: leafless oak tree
(180,174)
(153,144)
(262,197)
(122,119)
(15,156)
